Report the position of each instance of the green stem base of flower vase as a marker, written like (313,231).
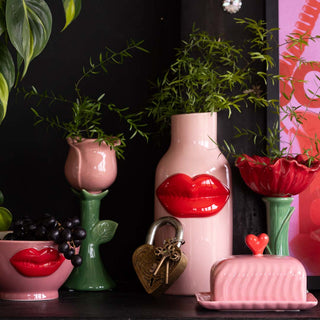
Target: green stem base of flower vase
(279,212)
(91,275)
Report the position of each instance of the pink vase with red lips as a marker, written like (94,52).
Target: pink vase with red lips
(193,184)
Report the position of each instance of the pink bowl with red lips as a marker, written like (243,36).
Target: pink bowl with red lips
(31,270)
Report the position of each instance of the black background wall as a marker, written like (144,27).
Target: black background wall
(32,158)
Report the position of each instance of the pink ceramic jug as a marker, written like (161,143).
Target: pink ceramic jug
(193,184)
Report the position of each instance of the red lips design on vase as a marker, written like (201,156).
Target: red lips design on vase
(189,197)
(37,263)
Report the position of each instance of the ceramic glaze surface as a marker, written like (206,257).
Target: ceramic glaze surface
(31,270)
(204,299)
(90,166)
(284,177)
(254,278)
(31,262)
(257,244)
(186,197)
(279,212)
(208,238)
(91,275)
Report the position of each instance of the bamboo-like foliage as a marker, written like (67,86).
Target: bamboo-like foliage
(271,140)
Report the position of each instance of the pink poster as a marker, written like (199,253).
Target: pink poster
(302,17)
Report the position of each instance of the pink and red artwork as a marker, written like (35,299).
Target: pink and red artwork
(302,17)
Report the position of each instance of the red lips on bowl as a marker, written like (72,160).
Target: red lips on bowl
(279,178)
(31,270)
(37,263)
(186,197)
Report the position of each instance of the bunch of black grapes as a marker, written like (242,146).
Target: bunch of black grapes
(68,234)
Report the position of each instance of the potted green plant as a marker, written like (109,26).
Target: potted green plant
(210,74)
(25,28)
(277,175)
(91,164)
(277,172)
(86,121)
(193,180)
(85,168)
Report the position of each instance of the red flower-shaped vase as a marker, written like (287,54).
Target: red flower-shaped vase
(282,177)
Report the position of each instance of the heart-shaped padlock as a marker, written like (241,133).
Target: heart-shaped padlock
(158,267)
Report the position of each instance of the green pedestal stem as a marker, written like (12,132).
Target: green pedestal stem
(91,275)
(279,212)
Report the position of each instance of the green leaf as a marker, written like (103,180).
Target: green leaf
(7,65)
(72,9)
(104,231)
(7,74)
(29,24)
(4,96)
(2,17)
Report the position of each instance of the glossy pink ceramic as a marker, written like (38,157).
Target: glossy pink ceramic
(257,244)
(204,299)
(279,178)
(208,237)
(259,278)
(185,197)
(90,165)
(31,270)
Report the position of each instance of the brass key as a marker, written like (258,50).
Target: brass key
(164,257)
(168,251)
(148,260)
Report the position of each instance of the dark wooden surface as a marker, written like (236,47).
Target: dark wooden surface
(133,305)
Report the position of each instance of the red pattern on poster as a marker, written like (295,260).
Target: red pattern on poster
(305,245)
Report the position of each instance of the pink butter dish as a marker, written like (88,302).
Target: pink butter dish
(204,299)
(257,282)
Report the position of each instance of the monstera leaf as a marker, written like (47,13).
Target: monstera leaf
(29,25)
(72,9)
(104,231)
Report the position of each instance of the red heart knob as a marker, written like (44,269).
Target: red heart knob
(257,244)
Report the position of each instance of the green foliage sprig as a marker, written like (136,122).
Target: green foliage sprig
(87,112)
(25,28)
(211,74)
(271,141)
